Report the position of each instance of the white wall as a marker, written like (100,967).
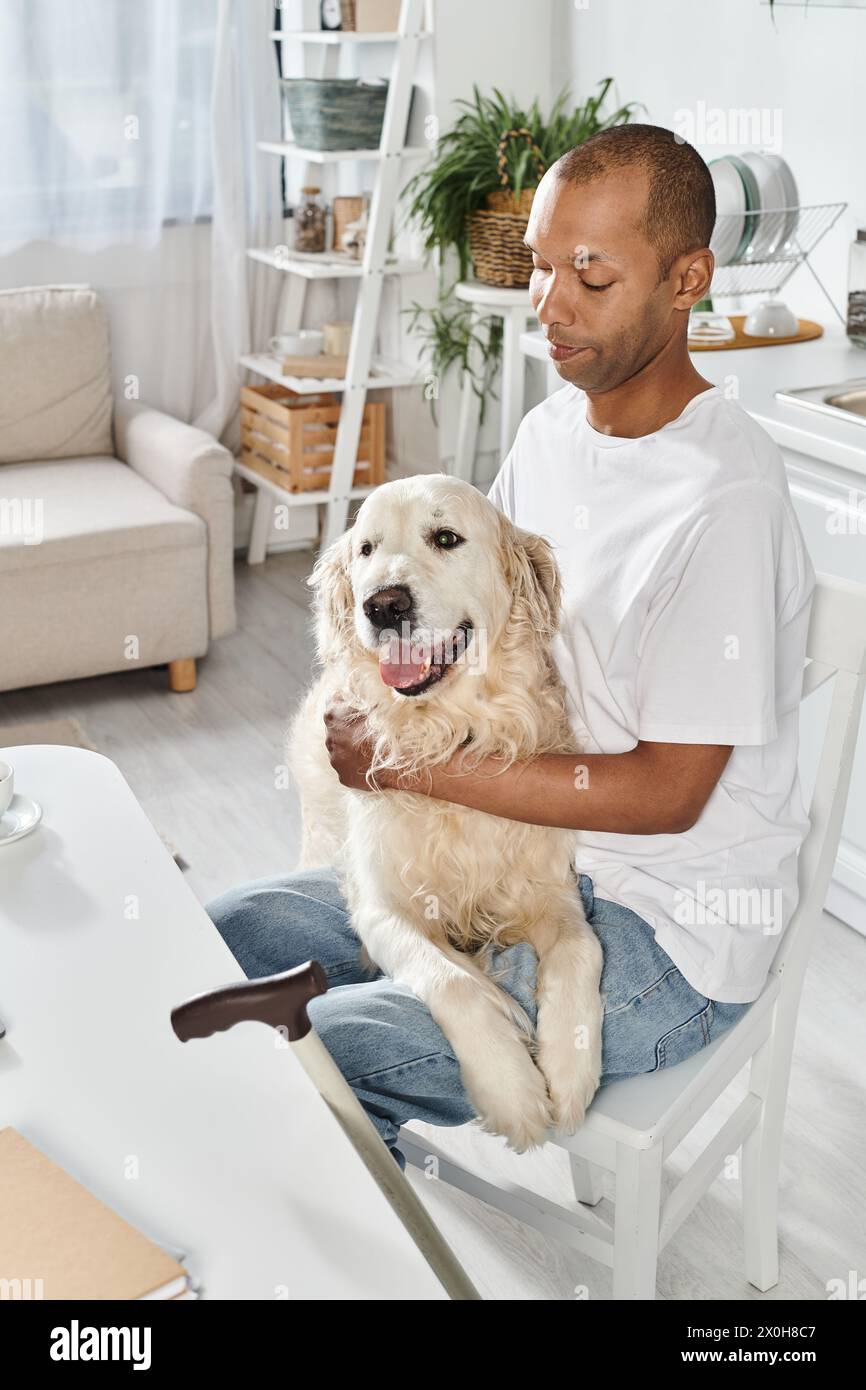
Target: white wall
(496,43)
(806,64)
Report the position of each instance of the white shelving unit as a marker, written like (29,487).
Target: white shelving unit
(363,372)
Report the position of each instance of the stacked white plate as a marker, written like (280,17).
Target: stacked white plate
(756,206)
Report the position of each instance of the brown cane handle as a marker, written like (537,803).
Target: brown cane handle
(280,1000)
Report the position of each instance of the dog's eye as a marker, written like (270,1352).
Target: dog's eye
(446,540)
(367,548)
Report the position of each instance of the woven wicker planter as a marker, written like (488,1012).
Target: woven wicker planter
(496,232)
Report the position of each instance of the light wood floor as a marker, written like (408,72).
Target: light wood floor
(205,768)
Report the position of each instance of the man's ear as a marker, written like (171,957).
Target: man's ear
(533,576)
(333,600)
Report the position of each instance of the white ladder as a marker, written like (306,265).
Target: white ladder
(361,372)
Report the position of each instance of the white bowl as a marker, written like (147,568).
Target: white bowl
(772,319)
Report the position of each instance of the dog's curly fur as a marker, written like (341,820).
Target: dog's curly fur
(433,886)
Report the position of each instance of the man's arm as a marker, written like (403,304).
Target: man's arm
(654,789)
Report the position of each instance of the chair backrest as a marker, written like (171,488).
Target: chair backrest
(836,648)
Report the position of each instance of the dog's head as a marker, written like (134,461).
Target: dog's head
(428,574)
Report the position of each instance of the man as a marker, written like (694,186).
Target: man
(686,590)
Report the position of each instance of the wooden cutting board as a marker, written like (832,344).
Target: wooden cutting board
(807,330)
(323,364)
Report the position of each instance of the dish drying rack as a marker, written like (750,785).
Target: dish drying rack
(792,233)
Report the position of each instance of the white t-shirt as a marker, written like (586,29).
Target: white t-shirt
(687,589)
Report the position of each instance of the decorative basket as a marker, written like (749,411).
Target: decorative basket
(496,232)
(289,437)
(334,113)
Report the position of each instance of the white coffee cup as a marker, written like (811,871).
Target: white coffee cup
(7,786)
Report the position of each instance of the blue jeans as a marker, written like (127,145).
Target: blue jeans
(384,1040)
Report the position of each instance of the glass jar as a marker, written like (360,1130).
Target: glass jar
(856,324)
(310,218)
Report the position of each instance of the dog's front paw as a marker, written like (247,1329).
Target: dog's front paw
(511,1100)
(572,1076)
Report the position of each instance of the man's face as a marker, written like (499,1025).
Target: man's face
(595,279)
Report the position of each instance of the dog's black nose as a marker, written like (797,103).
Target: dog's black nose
(387,607)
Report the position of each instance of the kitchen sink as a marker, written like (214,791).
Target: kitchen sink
(844,399)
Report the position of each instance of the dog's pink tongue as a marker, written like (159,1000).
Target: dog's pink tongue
(401,675)
(409,670)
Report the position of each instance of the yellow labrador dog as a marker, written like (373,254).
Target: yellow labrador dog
(434,617)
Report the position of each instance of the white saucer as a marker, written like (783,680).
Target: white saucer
(20,817)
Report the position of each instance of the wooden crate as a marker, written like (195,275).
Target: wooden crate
(288,437)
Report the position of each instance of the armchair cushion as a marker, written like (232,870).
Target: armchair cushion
(85,509)
(56,372)
(99,572)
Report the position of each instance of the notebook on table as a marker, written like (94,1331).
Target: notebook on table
(59,1241)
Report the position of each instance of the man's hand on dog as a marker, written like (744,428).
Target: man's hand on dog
(349,748)
(351,752)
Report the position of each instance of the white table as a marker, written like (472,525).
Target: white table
(240,1163)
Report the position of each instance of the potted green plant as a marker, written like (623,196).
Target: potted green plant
(495,153)
(454,335)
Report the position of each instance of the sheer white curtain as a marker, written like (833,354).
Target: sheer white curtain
(247,200)
(127,158)
(104,119)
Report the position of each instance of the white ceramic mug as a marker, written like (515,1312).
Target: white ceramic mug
(7,786)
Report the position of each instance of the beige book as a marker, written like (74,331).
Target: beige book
(59,1241)
(322,364)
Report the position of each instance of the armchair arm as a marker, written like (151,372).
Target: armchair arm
(194,471)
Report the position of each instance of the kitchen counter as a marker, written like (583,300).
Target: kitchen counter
(755,373)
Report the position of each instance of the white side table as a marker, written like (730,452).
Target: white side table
(513,307)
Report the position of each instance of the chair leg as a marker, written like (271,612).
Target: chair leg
(586,1180)
(181,675)
(263,515)
(762,1152)
(636,1221)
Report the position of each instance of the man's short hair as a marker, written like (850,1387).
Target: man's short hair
(681,202)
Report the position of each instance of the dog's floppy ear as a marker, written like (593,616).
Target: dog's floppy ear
(333,601)
(533,576)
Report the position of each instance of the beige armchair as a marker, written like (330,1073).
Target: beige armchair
(116,520)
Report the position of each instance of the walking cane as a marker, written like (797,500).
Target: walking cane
(281,1001)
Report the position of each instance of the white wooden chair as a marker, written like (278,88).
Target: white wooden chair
(633,1126)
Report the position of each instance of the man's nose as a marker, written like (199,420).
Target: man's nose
(388,606)
(552,305)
